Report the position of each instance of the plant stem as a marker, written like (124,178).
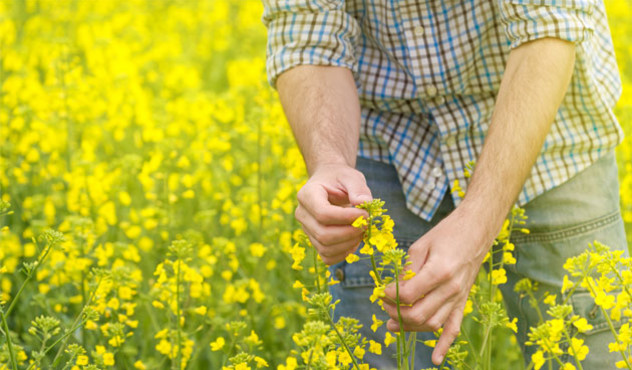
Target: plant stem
(30,274)
(5,326)
(178,323)
(611,326)
(579,365)
(344,344)
(402,334)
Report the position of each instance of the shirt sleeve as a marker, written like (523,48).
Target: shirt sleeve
(314,32)
(528,20)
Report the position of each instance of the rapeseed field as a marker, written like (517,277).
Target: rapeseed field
(147,193)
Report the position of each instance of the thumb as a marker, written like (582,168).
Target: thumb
(357,189)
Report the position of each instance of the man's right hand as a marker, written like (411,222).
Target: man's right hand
(326,210)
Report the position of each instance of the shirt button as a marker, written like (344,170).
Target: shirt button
(419,31)
(437,172)
(340,275)
(431,91)
(440,100)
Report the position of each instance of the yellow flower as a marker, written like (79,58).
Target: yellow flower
(344,358)
(359,352)
(389,339)
(253,339)
(566,284)
(164,347)
(578,349)
(376,323)
(499,276)
(330,357)
(200,310)
(604,300)
(359,222)
(82,360)
(351,258)
(375,347)
(512,325)
(538,360)
(582,325)
(550,299)
(260,362)
(139,365)
(218,344)
(108,359)
(408,274)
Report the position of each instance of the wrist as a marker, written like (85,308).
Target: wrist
(329,163)
(483,221)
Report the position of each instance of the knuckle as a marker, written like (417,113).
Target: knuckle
(320,216)
(406,296)
(318,235)
(433,324)
(454,287)
(416,320)
(359,175)
(327,239)
(300,194)
(444,274)
(451,332)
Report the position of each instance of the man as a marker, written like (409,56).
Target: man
(411,90)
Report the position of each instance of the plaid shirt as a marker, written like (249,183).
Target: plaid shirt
(428,73)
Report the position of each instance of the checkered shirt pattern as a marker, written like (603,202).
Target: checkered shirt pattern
(428,72)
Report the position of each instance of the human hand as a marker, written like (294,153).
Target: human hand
(446,261)
(326,210)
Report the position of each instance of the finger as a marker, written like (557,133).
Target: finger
(332,254)
(410,290)
(326,235)
(337,258)
(354,184)
(448,335)
(314,199)
(427,314)
(432,275)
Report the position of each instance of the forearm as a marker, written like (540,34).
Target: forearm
(533,86)
(321,104)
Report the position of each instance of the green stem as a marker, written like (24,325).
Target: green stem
(611,326)
(30,274)
(5,326)
(344,344)
(178,323)
(316,270)
(62,338)
(402,334)
(78,322)
(570,343)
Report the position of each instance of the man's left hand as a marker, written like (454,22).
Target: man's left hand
(446,261)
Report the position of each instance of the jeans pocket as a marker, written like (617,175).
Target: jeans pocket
(584,306)
(541,255)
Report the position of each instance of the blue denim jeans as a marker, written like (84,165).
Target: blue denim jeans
(562,221)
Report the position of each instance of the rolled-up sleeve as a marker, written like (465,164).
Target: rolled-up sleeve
(528,20)
(314,32)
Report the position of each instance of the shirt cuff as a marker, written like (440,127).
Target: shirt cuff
(528,20)
(309,37)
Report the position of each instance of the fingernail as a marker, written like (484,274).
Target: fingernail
(440,360)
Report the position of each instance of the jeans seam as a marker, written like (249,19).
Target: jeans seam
(568,232)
